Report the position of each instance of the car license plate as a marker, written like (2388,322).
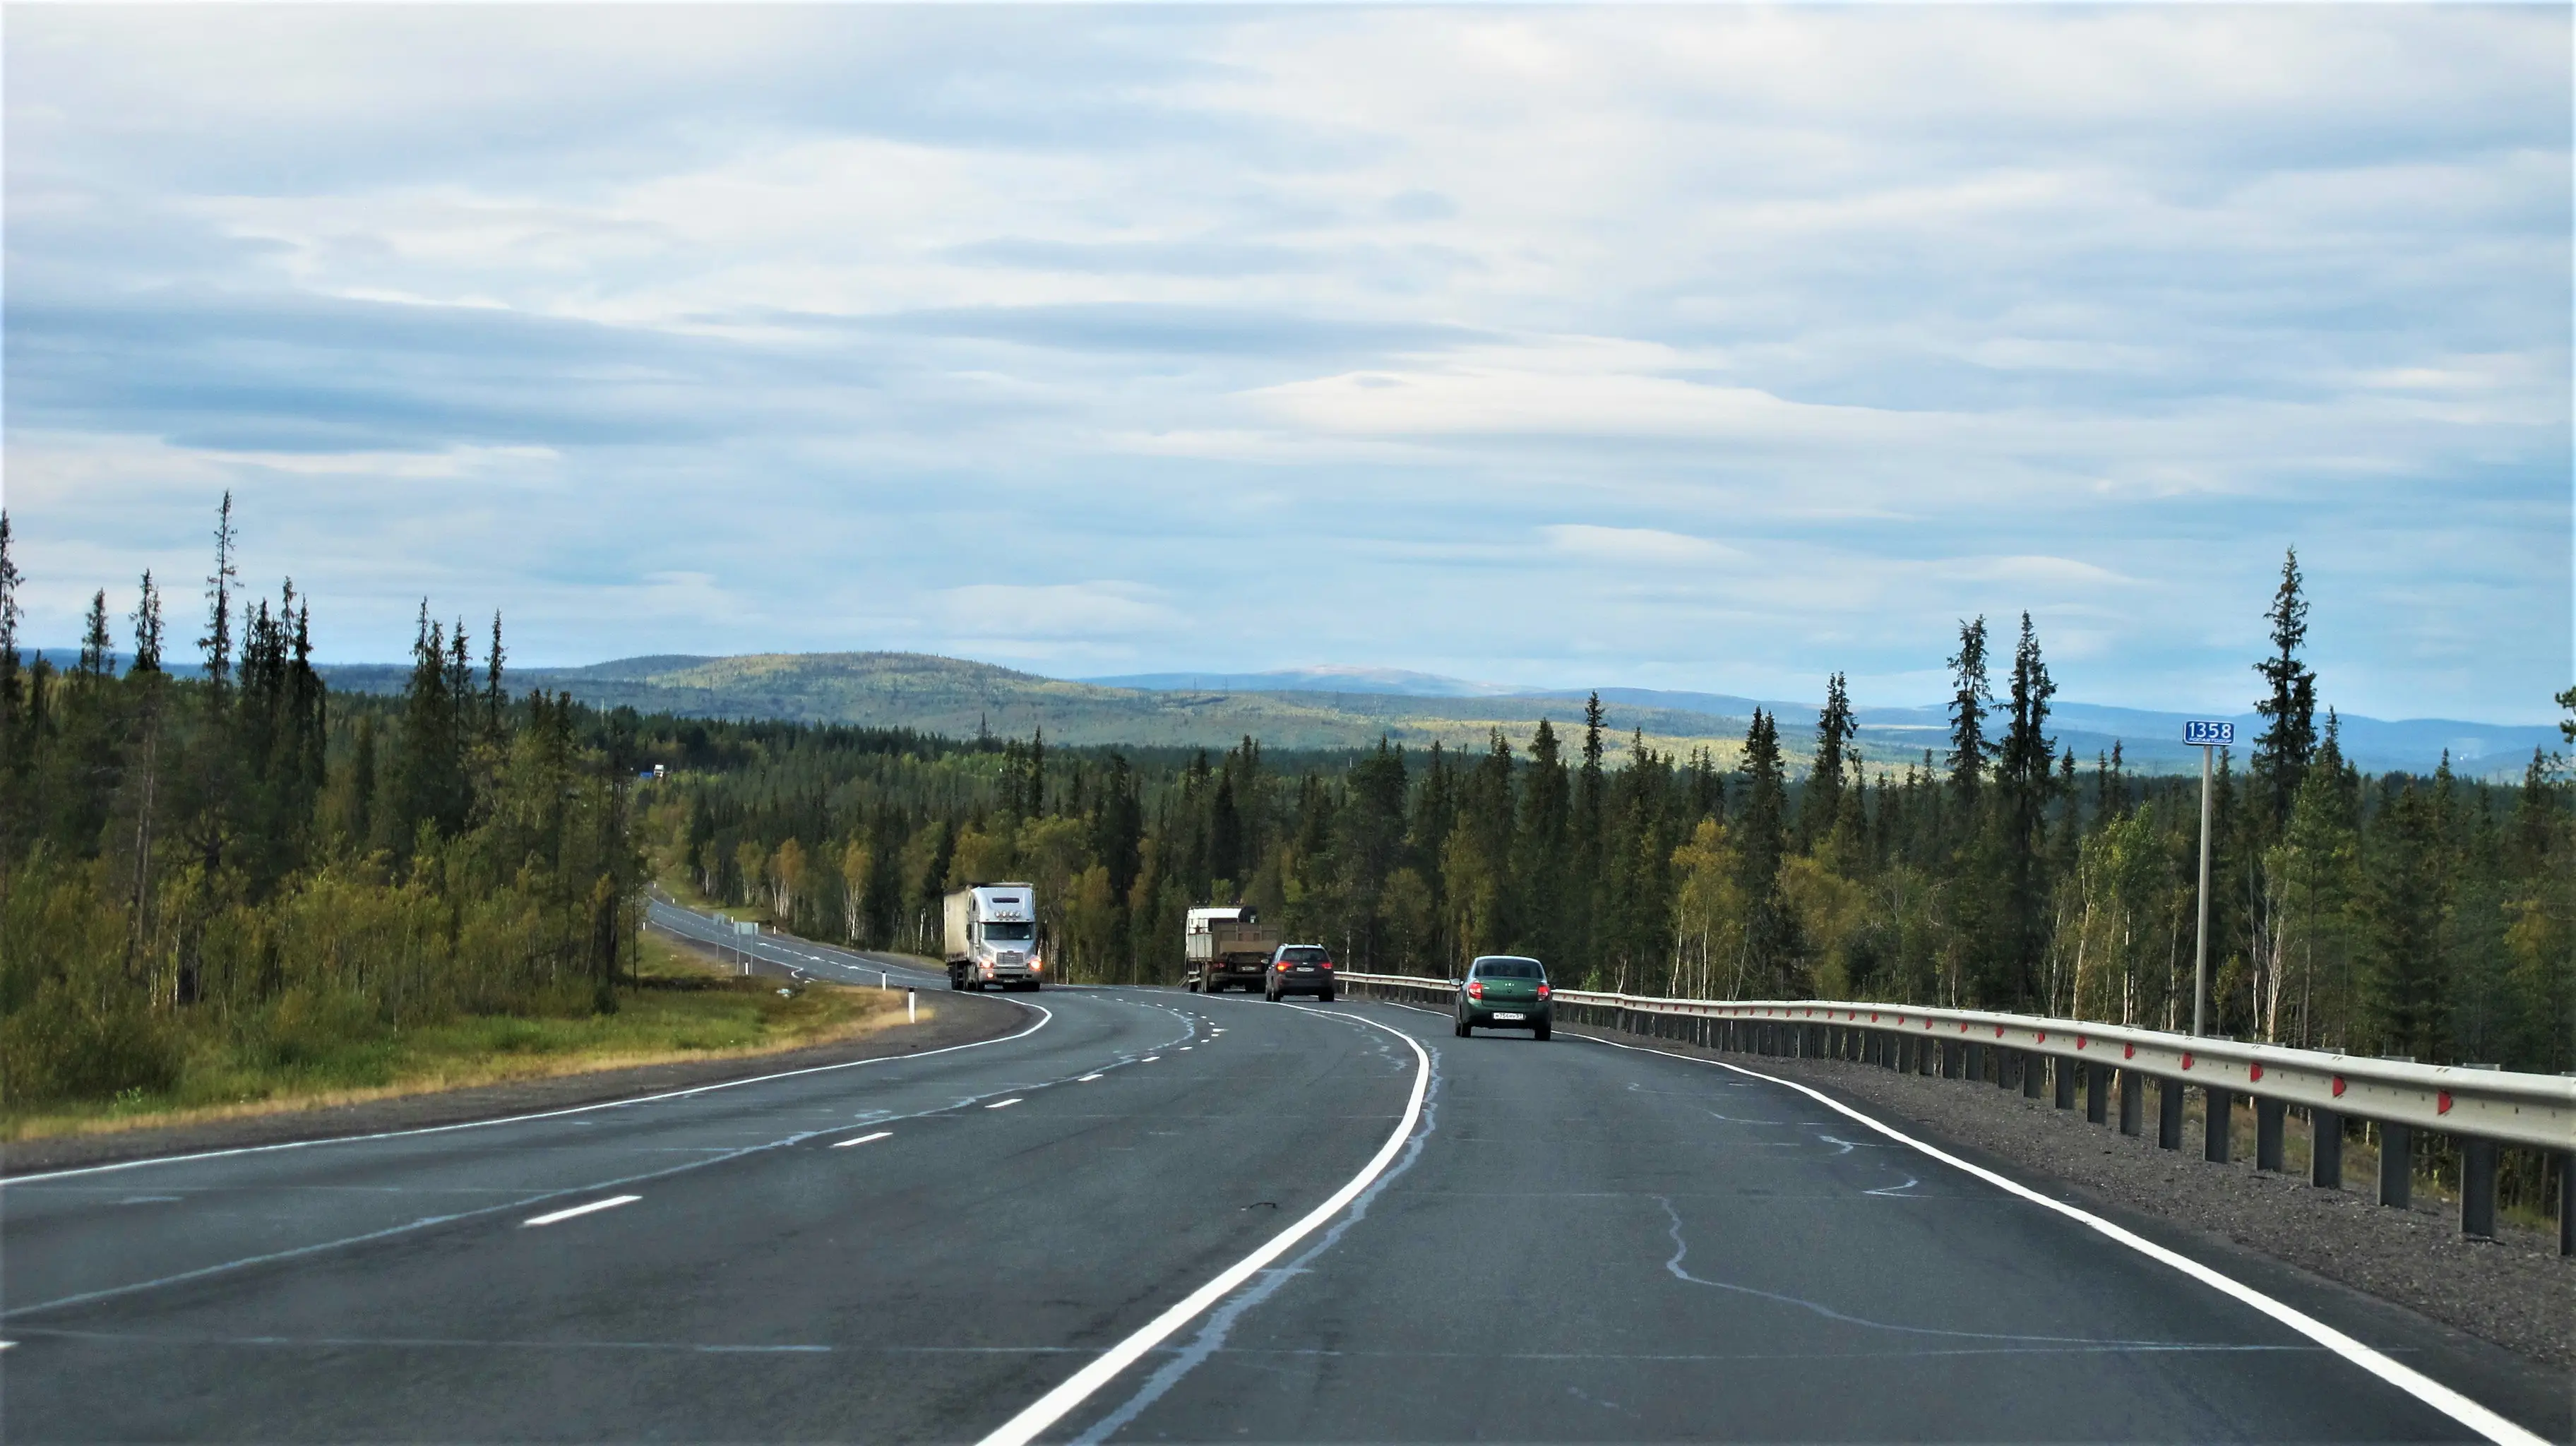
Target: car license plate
(1507,1016)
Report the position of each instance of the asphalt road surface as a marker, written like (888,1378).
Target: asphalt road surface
(1568,1241)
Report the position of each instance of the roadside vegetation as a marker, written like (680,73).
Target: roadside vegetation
(222,887)
(683,1007)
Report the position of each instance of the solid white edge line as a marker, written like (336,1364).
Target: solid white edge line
(611,1203)
(2415,1383)
(1046,1016)
(1055,1405)
(865,1139)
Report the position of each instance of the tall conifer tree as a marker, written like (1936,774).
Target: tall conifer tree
(2289,704)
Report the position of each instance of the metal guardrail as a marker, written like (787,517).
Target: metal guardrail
(2481,1108)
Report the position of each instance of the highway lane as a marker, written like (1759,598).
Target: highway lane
(910,1249)
(1605,1244)
(789,957)
(1582,1243)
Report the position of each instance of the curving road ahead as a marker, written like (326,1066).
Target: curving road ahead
(1569,1241)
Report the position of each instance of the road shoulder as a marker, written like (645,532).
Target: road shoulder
(961,1019)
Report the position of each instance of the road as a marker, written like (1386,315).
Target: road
(1568,1241)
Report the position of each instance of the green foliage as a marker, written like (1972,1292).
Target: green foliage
(232,863)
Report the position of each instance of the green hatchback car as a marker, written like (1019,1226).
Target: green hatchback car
(1507,991)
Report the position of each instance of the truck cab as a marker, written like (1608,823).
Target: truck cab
(993,938)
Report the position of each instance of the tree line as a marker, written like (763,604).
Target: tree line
(242,861)
(2426,915)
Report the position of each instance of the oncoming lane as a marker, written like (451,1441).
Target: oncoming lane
(926,1286)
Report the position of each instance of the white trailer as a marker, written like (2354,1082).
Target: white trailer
(993,938)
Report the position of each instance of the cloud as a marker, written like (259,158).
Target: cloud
(1698,348)
(1644,546)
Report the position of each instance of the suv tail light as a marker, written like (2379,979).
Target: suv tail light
(1283,966)
(1323,963)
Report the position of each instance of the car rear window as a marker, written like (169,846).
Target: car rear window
(1304,956)
(1509,969)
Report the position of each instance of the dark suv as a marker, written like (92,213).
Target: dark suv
(1300,969)
(1505,990)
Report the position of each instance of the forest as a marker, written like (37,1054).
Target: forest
(240,858)
(2430,915)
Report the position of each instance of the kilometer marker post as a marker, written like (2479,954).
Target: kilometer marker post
(2206,736)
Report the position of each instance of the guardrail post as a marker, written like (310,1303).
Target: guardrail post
(2034,1074)
(2396,1165)
(2097,1087)
(2477,1188)
(2168,1114)
(2325,1149)
(2567,1202)
(1951,1067)
(2064,1070)
(2133,1101)
(2268,1115)
(2218,1127)
(1976,1064)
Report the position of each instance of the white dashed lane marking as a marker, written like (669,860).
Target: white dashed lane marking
(611,1203)
(1003,1104)
(864,1139)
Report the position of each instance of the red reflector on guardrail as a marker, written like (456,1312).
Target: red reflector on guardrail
(2442,1103)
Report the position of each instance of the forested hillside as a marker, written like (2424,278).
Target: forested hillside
(2426,915)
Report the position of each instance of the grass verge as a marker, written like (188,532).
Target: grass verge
(683,1007)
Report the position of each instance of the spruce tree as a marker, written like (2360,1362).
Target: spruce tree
(1762,835)
(1822,806)
(218,641)
(2289,706)
(1971,695)
(147,628)
(9,664)
(2023,783)
(98,649)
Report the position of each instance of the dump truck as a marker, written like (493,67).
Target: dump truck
(993,939)
(1227,949)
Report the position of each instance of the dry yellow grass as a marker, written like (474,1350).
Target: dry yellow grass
(686,1010)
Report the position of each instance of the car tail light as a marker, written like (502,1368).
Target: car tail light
(1283,966)
(1542,991)
(1323,963)
(1475,988)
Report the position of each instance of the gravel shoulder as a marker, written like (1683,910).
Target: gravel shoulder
(960,1019)
(2516,1292)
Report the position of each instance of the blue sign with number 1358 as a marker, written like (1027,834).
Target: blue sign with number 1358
(2208,734)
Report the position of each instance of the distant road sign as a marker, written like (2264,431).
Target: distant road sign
(748,927)
(2208,734)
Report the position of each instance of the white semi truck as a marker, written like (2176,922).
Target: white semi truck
(993,938)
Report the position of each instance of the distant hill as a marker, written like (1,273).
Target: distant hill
(1318,680)
(1350,708)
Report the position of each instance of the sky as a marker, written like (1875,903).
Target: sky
(1712,349)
